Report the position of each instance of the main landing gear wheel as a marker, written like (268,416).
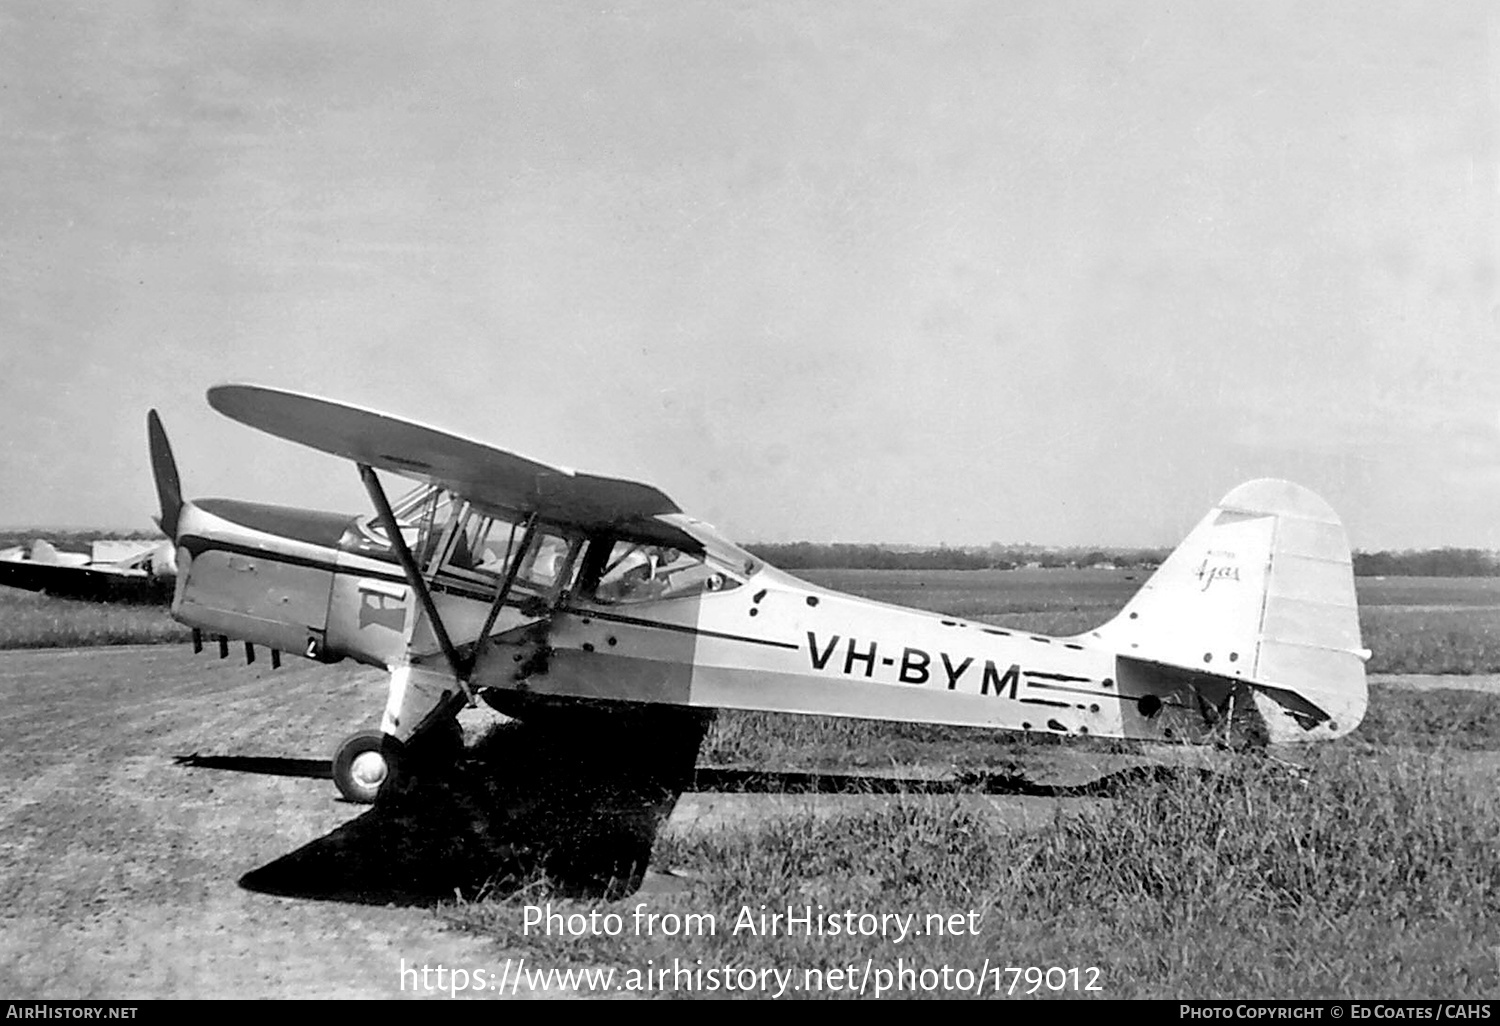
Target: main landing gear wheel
(370,762)
(364,763)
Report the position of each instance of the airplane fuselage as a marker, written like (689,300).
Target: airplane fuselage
(315,584)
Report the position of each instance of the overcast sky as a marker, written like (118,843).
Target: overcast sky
(919,272)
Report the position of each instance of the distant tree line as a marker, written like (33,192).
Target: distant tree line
(843,556)
(1428,563)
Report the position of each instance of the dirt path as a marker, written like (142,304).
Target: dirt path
(119,868)
(1486,683)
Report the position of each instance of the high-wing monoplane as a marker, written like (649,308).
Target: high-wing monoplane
(549,594)
(112,571)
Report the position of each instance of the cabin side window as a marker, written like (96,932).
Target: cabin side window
(640,572)
(452,538)
(486,545)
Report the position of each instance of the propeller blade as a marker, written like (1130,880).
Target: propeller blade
(164,469)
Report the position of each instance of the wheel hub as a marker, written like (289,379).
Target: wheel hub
(368,769)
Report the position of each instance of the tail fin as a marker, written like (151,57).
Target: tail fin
(1261,590)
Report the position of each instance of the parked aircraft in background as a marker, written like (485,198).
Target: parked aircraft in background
(565,596)
(114,570)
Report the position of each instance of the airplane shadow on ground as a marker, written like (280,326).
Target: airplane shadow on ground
(267,766)
(580,809)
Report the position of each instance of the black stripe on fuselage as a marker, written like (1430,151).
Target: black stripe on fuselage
(1063,687)
(197,545)
(680,628)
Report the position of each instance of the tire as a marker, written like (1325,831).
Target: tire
(359,778)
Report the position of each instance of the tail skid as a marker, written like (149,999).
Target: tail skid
(1261,592)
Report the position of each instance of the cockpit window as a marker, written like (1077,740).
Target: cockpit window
(639,572)
(451,538)
(546,562)
(486,545)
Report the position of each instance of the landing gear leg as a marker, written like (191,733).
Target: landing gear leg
(419,725)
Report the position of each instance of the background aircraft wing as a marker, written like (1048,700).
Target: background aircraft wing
(480,473)
(95,584)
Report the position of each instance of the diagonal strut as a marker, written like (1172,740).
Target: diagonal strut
(414,575)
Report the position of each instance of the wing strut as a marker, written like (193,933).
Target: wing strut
(414,575)
(511,573)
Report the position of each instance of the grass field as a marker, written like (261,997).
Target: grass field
(31,620)
(1364,869)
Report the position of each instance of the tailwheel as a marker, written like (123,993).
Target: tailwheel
(364,763)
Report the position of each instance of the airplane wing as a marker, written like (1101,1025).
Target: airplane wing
(122,552)
(483,474)
(95,584)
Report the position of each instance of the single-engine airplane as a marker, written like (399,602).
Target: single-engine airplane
(112,571)
(547,592)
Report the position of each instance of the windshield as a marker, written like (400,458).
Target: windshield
(717,548)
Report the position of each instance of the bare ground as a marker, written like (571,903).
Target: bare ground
(119,869)
(1485,683)
(130,870)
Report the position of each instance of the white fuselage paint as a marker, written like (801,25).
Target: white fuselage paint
(778,644)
